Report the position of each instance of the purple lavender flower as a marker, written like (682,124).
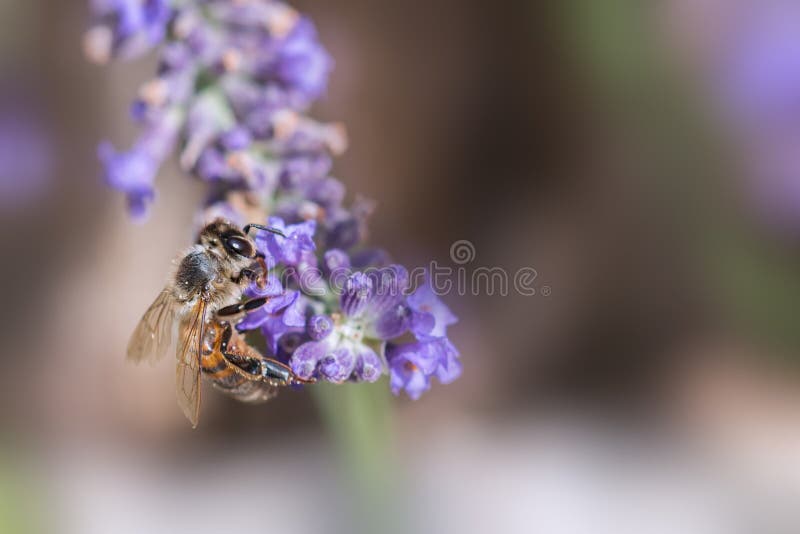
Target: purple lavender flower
(759,81)
(761,69)
(303,65)
(126,28)
(336,260)
(412,365)
(234,82)
(372,311)
(26,152)
(132,173)
(298,170)
(431,315)
(319,327)
(283,314)
(237,138)
(293,250)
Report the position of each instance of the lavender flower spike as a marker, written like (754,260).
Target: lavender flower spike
(229,102)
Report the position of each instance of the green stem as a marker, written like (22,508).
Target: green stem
(358,417)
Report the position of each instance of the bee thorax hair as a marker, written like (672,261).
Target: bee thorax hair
(210,270)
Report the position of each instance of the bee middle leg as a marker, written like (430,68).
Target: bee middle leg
(256,273)
(241,307)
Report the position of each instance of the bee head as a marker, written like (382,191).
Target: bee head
(226,237)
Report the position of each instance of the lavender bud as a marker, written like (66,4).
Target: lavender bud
(319,327)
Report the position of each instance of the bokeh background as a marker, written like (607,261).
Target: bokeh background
(642,157)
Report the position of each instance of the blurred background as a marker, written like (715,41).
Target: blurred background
(642,157)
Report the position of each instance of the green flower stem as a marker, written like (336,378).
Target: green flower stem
(358,417)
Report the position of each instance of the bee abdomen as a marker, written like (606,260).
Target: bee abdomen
(249,391)
(224,378)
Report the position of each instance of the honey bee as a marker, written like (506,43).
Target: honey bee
(206,289)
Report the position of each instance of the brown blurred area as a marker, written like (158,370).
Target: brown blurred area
(513,125)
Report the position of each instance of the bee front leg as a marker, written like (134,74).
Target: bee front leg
(256,272)
(245,274)
(261,275)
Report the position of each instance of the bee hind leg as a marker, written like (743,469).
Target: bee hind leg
(247,364)
(270,370)
(279,373)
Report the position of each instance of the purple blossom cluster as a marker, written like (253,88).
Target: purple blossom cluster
(759,83)
(234,83)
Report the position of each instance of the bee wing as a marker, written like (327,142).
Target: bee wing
(187,373)
(153,334)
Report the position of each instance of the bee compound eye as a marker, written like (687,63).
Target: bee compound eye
(237,245)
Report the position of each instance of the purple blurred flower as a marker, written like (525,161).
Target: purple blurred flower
(126,28)
(303,65)
(237,138)
(211,166)
(336,260)
(26,153)
(132,173)
(759,79)
(299,170)
(148,17)
(761,69)
(206,70)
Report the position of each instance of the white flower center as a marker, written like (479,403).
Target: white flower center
(351,331)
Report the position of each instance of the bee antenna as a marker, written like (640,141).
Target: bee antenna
(269,229)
